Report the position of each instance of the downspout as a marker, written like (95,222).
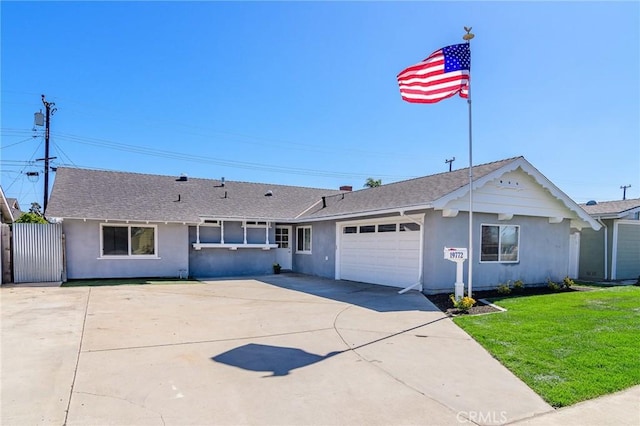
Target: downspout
(606,248)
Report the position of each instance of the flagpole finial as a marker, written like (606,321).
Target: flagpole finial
(469,35)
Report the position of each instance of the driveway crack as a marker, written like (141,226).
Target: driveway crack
(376,364)
(75,370)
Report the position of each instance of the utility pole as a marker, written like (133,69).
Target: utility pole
(49,111)
(624,191)
(450,162)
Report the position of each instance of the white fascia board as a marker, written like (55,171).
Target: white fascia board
(102,219)
(395,210)
(237,218)
(541,179)
(616,215)
(8,208)
(308,208)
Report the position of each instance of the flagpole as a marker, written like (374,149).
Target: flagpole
(467,37)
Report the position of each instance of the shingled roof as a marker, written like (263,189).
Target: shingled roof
(612,209)
(108,195)
(417,192)
(9,208)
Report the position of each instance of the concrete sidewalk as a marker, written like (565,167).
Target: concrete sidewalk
(276,350)
(618,409)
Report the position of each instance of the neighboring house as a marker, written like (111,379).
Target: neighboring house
(137,225)
(9,209)
(613,252)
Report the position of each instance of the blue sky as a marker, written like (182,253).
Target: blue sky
(305,93)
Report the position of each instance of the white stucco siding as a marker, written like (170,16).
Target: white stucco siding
(84,261)
(515,193)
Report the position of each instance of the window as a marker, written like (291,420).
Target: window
(366,229)
(389,227)
(125,240)
(350,230)
(282,237)
(303,243)
(255,224)
(500,243)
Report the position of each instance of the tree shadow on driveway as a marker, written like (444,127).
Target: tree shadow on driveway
(281,360)
(278,360)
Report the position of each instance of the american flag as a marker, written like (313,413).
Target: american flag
(443,74)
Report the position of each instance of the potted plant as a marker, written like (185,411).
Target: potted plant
(276,268)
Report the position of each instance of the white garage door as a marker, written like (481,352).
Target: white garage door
(381,252)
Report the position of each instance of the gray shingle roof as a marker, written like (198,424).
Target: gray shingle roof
(15,207)
(93,194)
(612,207)
(108,195)
(408,193)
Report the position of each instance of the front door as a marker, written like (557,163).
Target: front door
(283,252)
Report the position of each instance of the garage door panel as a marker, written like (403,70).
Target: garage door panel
(388,258)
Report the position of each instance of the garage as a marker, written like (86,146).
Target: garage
(380,251)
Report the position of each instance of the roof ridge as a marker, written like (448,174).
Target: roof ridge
(505,160)
(628,200)
(196,178)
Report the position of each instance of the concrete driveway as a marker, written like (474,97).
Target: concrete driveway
(278,350)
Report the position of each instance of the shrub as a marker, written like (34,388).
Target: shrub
(552,285)
(518,286)
(463,304)
(31,218)
(567,282)
(504,288)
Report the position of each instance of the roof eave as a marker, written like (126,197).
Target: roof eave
(364,213)
(542,180)
(98,219)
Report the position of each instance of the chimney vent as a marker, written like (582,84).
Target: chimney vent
(182,178)
(347,188)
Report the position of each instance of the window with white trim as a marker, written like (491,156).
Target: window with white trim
(128,240)
(500,243)
(303,242)
(256,224)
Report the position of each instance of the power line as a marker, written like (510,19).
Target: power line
(17,143)
(59,149)
(212,160)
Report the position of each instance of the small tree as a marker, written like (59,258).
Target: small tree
(36,209)
(372,183)
(33,216)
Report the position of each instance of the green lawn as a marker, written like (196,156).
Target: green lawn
(568,347)
(127,281)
